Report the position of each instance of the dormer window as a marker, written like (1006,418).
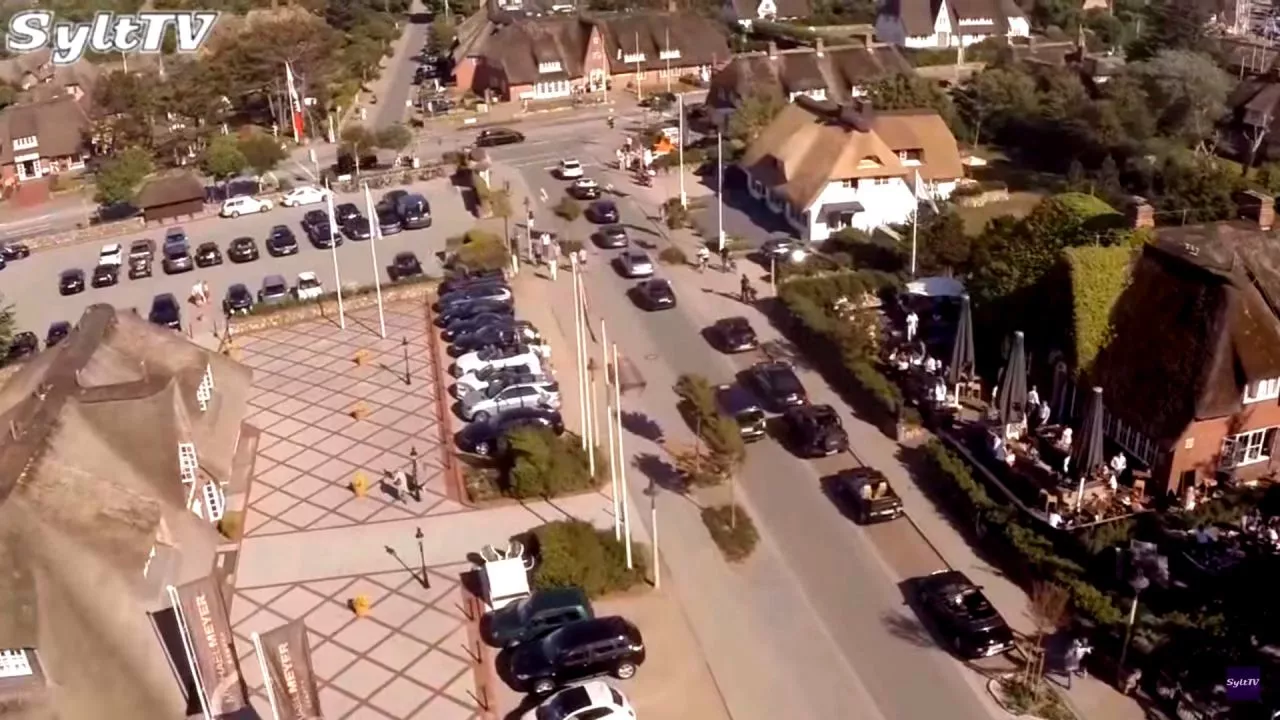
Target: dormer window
(910,157)
(671,54)
(637,57)
(15,664)
(1262,391)
(815,93)
(551,66)
(25,143)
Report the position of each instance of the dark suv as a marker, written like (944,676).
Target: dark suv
(536,615)
(776,383)
(739,404)
(815,430)
(577,651)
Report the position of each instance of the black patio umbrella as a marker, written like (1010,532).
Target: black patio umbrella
(1087,451)
(962,355)
(1011,398)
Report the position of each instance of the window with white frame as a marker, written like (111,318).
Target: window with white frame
(881,181)
(549,67)
(1247,448)
(25,143)
(850,183)
(671,54)
(1262,390)
(15,663)
(633,57)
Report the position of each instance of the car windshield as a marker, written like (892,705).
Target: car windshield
(565,704)
(660,287)
(175,252)
(139,247)
(416,206)
(109,250)
(274,288)
(751,417)
(71,275)
(164,306)
(826,417)
(783,380)
(238,292)
(306,283)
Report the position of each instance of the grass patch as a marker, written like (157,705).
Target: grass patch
(733,531)
(1020,204)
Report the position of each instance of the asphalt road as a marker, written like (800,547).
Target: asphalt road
(834,629)
(31,284)
(399,88)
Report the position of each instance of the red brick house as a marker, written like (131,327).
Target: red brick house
(43,138)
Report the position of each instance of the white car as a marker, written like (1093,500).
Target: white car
(635,264)
(585,183)
(305,195)
(570,169)
(595,700)
(112,254)
(309,287)
(244,205)
(498,357)
(480,380)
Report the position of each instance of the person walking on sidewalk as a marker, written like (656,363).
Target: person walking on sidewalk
(704,256)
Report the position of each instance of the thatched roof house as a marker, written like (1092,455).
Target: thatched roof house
(171,196)
(94,514)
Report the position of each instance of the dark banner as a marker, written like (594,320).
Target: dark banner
(286,662)
(205,615)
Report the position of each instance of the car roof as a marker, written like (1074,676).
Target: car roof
(72,271)
(175,230)
(735,398)
(406,256)
(735,321)
(307,275)
(209,244)
(166,298)
(237,287)
(111,246)
(948,579)
(272,279)
(585,631)
(558,597)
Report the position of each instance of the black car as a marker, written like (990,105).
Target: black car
(106,275)
(493,137)
(388,220)
(71,282)
(603,212)
(473,324)
(654,294)
(586,649)
(239,300)
(177,258)
(208,255)
(281,241)
(139,267)
(166,312)
(322,232)
(464,278)
(405,265)
(612,237)
(499,291)
(815,430)
(776,383)
(464,311)
(392,197)
(242,250)
(485,438)
(866,494)
(414,211)
(14,251)
(346,211)
(962,615)
(584,192)
(57,333)
(535,616)
(734,335)
(738,403)
(509,333)
(22,346)
(357,227)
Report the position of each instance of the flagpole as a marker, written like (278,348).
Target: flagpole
(720,186)
(684,198)
(293,98)
(266,676)
(613,451)
(578,352)
(639,92)
(333,248)
(374,233)
(622,462)
(668,54)
(189,650)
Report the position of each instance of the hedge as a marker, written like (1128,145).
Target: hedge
(732,530)
(539,464)
(573,553)
(1099,275)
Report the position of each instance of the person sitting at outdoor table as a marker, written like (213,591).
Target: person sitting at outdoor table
(939,391)
(1119,463)
(1033,398)
(1055,520)
(930,365)
(1064,440)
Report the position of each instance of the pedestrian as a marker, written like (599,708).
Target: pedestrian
(582,259)
(536,247)
(414,488)
(1131,680)
(546,247)
(913,324)
(398,483)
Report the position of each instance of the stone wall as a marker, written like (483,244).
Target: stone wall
(328,307)
(983,198)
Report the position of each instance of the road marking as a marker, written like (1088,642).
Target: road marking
(305,169)
(542,193)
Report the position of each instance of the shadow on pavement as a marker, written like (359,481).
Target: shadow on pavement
(662,473)
(642,426)
(908,629)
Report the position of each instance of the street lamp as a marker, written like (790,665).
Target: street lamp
(413,458)
(404,343)
(1138,582)
(422,558)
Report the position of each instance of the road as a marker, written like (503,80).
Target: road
(398,87)
(815,626)
(31,284)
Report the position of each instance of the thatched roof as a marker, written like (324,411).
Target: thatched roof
(170,190)
(89,487)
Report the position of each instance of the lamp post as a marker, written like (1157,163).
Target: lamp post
(1138,582)
(413,458)
(422,559)
(408,378)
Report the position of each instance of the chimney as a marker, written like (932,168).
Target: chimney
(820,46)
(1140,213)
(1258,207)
(773,49)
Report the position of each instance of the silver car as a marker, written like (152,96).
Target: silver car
(635,264)
(481,405)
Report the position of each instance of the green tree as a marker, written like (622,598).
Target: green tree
(395,137)
(758,108)
(996,99)
(262,153)
(7,324)
(126,102)
(356,141)
(942,243)
(441,34)
(222,159)
(118,178)
(1187,92)
(912,92)
(1172,25)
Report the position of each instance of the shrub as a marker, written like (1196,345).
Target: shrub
(676,214)
(348,292)
(568,209)
(573,553)
(673,256)
(482,250)
(538,464)
(570,246)
(732,530)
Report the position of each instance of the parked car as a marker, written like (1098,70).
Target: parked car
(174,235)
(734,335)
(111,254)
(741,405)
(469,325)
(239,301)
(508,333)
(655,294)
(487,438)
(177,258)
(866,494)
(634,264)
(139,267)
(274,290)
(776,383)
(166,312)
(465,311)
(245,205)
(602,212)
(962,615)
(405,265)
(305,195)
(481,405)
(493,137)
(345,212)
(584,189)
(58,332)
(506,356)
(815,430)
(488,377)
(570,169)
(388,220)
(71,282)
(309,286)
(414,211)
(22,346)
(320,230)
(282,241)
(392,197)
(357,227)
(463,278)
(499,292)
(612,237)
(535,616)
(242,250)
(779,248)
(139,249)
(208,255)
(14,251)
(106,276)
(595,700)
(582,650)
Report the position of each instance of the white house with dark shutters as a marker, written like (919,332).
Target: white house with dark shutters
(949,23)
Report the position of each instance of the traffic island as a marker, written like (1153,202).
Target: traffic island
(732,529)
(1028,699)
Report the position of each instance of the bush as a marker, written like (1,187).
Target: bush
(538,464)
(676,214)
(570,246)
(568,209)
(481,250)
(572,553)
(673,256)
(732,530)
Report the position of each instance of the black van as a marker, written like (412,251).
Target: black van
(577,651)
(414,212)
(738,403)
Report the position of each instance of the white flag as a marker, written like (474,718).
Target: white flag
(922,193)
(295,103)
